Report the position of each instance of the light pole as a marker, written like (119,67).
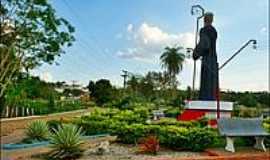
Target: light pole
(254,42)
(195,9)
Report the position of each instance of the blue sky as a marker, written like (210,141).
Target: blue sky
(112,35)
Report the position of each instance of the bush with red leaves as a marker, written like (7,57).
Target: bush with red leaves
(149,144)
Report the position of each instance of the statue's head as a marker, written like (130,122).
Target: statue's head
(208,18)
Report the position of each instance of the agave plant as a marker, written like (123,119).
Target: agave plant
(37,130)
(66,142)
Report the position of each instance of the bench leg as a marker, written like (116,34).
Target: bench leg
(229,144)
(259,143)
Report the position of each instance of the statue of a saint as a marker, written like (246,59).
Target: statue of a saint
(206,48)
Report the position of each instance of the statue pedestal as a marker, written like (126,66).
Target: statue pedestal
(195,110)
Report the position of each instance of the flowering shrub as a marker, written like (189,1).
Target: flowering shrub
(149,144)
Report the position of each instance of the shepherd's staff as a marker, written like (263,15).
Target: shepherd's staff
(195,9)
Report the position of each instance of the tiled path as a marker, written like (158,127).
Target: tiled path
(221,154)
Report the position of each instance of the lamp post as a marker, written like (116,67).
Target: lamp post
(254,42)
(196,9)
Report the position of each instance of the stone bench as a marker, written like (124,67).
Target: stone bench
(242,127)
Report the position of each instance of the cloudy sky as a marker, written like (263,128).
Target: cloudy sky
(112,35)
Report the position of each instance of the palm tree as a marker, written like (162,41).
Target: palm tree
(172,60)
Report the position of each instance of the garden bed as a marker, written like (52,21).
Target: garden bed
(14,146)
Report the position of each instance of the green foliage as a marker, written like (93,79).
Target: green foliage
(195,139)
(174,122)
(53,125)
(248,100)
(247,112)
(172,112)
(100,121)
(37,130)
(66,142)
(44,35)
(266,125)
(172,60)
(28,87)
(101,91)
(51,103)
(130,127)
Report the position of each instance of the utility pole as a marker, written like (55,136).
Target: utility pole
(125,75)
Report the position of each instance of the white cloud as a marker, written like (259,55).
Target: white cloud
(46,76)
(149,41)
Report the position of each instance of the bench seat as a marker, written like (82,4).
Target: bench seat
(242,127)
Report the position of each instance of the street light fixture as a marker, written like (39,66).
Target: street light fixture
(254,46)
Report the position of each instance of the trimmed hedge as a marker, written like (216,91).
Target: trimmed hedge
(130,127)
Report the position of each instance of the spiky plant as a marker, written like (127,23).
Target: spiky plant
(37,130)
(66,142)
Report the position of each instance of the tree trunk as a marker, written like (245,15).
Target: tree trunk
(2,105)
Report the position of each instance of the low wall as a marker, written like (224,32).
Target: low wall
(8,125)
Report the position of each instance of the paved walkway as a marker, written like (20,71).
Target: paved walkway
(221,154)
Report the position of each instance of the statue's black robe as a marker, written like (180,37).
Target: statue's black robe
(206,48)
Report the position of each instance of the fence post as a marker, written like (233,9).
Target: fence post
(32,111)
(22,111)
(16,111)
(27,111)
(7,111)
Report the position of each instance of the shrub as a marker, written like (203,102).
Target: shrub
(266,125)
(173,121)
(149,144)
(129,126)
(194,139)
(66,142)
(37,130)
(199,139)
(54,125)
(130,117)
(172,112)
(131,134)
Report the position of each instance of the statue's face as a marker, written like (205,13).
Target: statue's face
(208,20)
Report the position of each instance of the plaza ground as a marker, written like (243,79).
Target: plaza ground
(12,131)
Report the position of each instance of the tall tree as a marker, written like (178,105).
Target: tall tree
(101,91)
(30,34)
(133,83)
(172,61)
